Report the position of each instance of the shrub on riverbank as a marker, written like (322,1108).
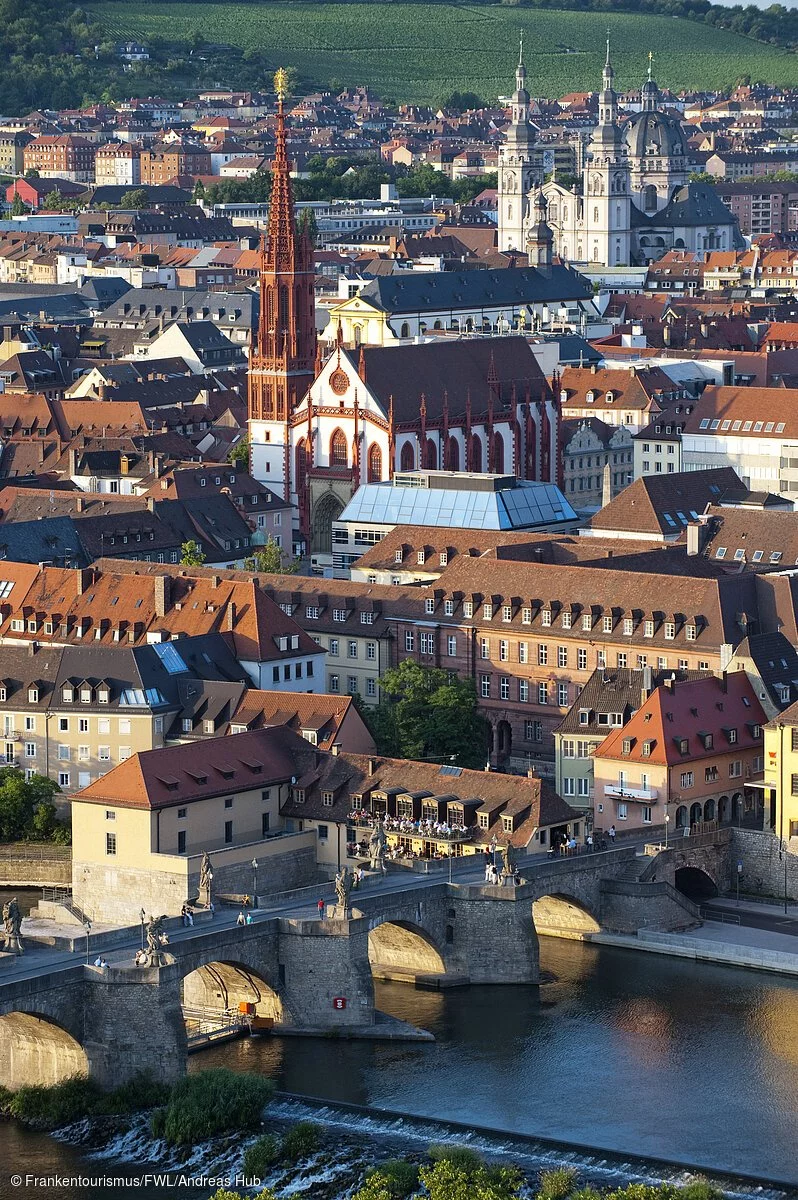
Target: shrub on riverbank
(391,1180)
(76,1098)
(261,1156)
(300,1142)
(211,1102)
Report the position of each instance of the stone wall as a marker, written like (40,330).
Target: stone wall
(35,866)
(627,906)
(115,895)
(493,934)
(764,864)
(321,962)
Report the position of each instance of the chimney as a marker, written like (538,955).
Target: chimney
(606,486)
(666,335)
(163,595)
(647,686)
(101,390)
(336,749)
(372,765)
(693,539)
(231,616)
(79,504)
(150,504)
(73,461)
(83,579)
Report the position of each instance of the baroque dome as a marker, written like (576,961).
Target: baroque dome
(655,134)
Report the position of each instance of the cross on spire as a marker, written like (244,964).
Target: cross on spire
(650,64)
(607,60)
(521,49)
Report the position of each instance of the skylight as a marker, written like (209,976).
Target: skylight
(170,658)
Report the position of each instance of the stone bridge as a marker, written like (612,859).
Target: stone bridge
(317,976)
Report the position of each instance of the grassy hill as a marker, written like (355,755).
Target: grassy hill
(418,52)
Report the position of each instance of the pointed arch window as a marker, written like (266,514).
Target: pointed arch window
(338,450)
(498,453)
(375,464)
(407,457)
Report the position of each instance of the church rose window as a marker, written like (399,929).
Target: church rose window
(339,381)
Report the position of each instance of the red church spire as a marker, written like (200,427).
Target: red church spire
(282,367)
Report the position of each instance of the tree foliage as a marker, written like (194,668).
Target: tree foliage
(135,198)
(191,554)
(27,811)
(429,714)
(270,560)
(239,454)
(211,1102)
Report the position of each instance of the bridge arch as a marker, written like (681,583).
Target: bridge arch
(222,986)
(695,882)
(399,948)
(557,912)
(35,1049)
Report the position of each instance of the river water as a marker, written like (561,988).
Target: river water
(631,1054)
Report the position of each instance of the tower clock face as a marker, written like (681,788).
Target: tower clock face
(339,381)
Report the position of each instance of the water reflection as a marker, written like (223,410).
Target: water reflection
(630,1052)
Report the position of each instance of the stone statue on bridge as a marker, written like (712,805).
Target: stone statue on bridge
(343,888)
(205,879)
(377,845)
(508,862)
(156,939)
(12,924)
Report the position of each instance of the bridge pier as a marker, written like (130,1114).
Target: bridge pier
(493,937)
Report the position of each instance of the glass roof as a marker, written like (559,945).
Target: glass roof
(526,505)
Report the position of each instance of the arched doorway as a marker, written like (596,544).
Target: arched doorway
(695,883)
(504,739)
(37,1051)
(403,951)
(709,810)
(325,511)
(212,996)
(724,809)
(375,464)
(696,813)
(407,457)
(681,816)
(737,808)
(555,913)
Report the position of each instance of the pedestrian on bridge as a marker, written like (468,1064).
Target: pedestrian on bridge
(241,919)
(612,835)
(320,907)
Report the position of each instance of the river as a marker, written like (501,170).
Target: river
(630,1053)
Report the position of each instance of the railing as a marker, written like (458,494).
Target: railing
(48,851)
(57,895)
(458,834)
(718,914)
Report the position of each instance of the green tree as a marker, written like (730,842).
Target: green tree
(391,1180)
(191,554)
(18,206)
(429,714)
(135,198)
(239,454)
(269,560)
(448,1180)
(32,173)
(27,810)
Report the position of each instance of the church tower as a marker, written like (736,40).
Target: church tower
(282,361)
(607,198)
(519,167)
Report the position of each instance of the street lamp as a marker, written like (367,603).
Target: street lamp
(254,882)
(87,927)
(667,819)
(493,845)
(142,915)
(450,863)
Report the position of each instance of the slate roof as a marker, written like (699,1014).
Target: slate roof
(454,290)
(665,504)
(776,660)
(614,690)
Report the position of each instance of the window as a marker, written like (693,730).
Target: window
(104,753)
(587,622)
(124,725)
(568,786)
(448,608)
(83,754)
(562,656)
(623,812)
(63,779)
(606,624)
(410,641)
(735,769)
(523,655)
(526,616)
(351,650)
(523,691)
(30,724)
(351,684)
(686,779)
(429,605)
(487,612)
(690,632)
(543,693)
(543,654)
(568,748)
(371,651)
(30,749)
(312,612)
(504,687)
(546,616)
(334,647)
(334,683)
(504,651)
(670,631)
(621,659)
(583,787)
(562,695)
(646,814)
(567,620)
(63,724)
(648,629)
(110,844)
(484,686)
(63,753)
(103,725)
(371,687)
(339,614)
(533,731)
(181,841)
(427,643)
(451,645)
(581,660)
(420,558)
(601,658)
(732,736)
(188,724)
(628,626)
(484,648)
(228,832)
(468,608)
(507,612)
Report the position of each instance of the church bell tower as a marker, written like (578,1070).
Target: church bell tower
(282,361)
